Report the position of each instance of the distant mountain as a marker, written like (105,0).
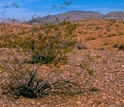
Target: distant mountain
(9,20)
(77,15)
(70,16)
(115,15)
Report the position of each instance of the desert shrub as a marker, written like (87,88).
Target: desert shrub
(115,45)
(51,47)
(94,89)
(121,46)
(111,35)
(28,84)
(120,33)
(45,43)
(42,59)
(90,38)
(57,40)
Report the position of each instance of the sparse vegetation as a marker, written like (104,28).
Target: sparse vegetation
(85,64)
(51,62)
(121,33)
(115,45)
(90,38)
(111,35)
(52,65)
(28,84)
(54,44)
(49,47)
(121,46)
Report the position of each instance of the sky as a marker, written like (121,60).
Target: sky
(28,8)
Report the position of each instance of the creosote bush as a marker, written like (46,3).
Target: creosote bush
(48,43)
(52,46)
(49,47)
(28,84)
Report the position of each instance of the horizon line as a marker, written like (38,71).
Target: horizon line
(57,13)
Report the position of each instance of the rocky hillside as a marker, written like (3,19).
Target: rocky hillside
(115,15)
(77,15)
(71,16)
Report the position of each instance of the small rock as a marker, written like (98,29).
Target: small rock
(122,66)
(81,46)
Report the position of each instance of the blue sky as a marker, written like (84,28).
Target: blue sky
(28,8)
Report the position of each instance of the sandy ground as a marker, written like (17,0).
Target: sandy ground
(99,69)
(107,79)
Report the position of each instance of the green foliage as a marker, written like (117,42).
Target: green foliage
(46,43)
(86,65)
(54,44)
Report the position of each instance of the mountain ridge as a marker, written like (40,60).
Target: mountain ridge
(72,16)
(78,15)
